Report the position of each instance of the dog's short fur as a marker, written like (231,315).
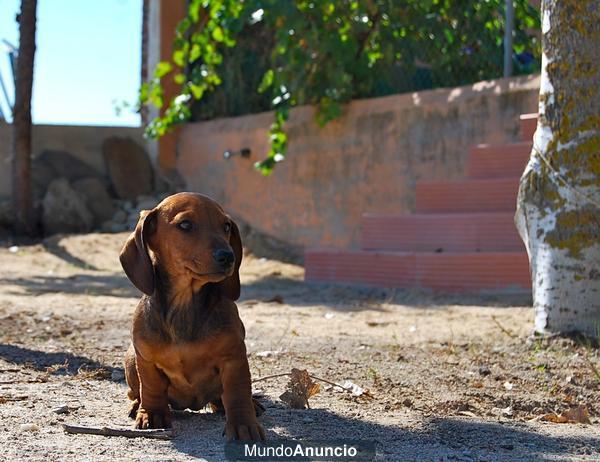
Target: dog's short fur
(187,347)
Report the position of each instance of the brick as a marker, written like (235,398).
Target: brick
(481,195)
(466,232)
(498,161)
(445,272)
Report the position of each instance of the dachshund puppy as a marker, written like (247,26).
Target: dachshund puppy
(187,347)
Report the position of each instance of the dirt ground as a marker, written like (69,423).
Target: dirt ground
(448,378)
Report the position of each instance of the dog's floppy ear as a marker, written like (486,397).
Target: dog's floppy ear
(134,256)
(230,287)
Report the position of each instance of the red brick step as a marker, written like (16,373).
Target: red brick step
(447,272)
(474,195)
(466,232)
(498,161)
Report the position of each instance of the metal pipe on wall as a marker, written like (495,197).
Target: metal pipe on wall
(509,26)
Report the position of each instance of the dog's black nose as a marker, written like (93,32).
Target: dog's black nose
(223,257)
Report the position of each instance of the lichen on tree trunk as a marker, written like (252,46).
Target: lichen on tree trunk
(558,211)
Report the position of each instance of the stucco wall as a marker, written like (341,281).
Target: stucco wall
(367,161)
(84,142)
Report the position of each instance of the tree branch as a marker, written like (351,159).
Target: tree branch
(159,434)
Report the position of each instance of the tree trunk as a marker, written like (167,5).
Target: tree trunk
(21,130)
(558,207)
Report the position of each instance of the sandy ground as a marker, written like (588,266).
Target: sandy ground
(449,378)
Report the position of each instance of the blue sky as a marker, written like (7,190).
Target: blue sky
(88,57)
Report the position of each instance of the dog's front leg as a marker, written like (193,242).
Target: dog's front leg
(237,400)
(154,406)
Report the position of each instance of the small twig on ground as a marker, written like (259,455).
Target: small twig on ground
(349,390)
(287,374)
(7,399)
(267,377)
(159,434)
(503,329)
(11,382)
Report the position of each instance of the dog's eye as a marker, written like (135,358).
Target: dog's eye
(185,225)
(227,227)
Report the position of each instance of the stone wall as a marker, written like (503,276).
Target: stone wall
(367,161)
(83,178)
(84,142)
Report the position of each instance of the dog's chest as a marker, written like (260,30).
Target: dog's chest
(188,365)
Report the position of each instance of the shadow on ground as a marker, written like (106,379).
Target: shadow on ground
(436,439)
(351,297)
(451,438)
(41,360)
(115,285)
(52,245)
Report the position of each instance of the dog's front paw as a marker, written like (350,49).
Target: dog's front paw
(152,419)
(249,431)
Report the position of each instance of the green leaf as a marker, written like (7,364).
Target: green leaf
(197,90)
(266,81)
(217,34)
(195,52)
(194,10)
(144,92)
(162,69)
(179,58)
(155,96)
(183,26)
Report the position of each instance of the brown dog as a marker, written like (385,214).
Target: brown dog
(187,346)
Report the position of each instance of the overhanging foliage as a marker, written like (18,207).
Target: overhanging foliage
(232,57)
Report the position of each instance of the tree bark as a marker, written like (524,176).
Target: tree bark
(21,130)
(558,206)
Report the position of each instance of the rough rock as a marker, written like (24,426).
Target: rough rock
(132,220)
(110,226)
(50,165)
(6,215)
(128,206)
(128,167)
(120,216)
(147,202)
(64,210)
(96,198)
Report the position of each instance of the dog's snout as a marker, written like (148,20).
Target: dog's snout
(223,257)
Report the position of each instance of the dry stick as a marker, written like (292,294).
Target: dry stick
(503,329)
(349,390)
(159,434)
(10,382)
(283,374)
(267,377)
(7,399)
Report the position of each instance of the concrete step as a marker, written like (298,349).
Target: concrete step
(445,272)
(473,195)
(454,232)
(528,126)
(498,161)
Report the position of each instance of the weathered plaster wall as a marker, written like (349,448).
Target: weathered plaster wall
(367,161)
(84,142)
